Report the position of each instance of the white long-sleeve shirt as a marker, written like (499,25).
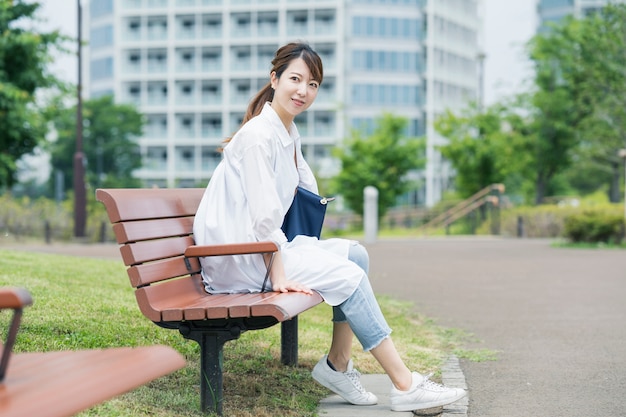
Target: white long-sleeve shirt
(246,200)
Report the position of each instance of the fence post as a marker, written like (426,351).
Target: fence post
(520,226)
(103,232)
(47,232)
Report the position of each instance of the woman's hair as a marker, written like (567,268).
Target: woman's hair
(283,57)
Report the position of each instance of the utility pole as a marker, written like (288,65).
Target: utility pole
(80,201)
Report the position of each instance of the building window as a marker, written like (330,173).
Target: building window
(101,8)
(212,125)
(211,92)
(101,37)
(212,26)
(157,60)
(241,24)
(186,27)
(156,158)
(184,158)
(157,28)
(210,158)
(102,68)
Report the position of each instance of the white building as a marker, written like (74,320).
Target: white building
(555,10)
(191,66)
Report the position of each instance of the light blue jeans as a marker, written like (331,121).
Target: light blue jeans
(361,310)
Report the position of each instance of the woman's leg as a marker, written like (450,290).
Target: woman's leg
(369,325)
(410,391)
(341,345)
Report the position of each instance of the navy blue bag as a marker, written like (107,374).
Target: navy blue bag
(306,215)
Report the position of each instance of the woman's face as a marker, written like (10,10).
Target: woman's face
(294,91)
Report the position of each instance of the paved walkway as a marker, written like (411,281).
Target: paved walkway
(556,317)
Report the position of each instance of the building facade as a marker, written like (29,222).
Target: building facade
(555,10)
(191,66)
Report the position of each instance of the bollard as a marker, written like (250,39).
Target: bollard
(520,226)
(370,213)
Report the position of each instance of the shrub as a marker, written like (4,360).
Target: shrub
(23,217)
(594,226)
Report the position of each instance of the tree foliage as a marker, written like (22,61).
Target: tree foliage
(24,59)
(570,125)
(109,132)
(484,147)
(381,160)
(586,59)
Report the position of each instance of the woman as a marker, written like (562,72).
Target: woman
(246,200)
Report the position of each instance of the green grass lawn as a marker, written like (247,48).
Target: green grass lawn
(82,303)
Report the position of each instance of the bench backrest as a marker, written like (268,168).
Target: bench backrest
(154,227)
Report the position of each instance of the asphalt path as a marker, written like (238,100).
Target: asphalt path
(556,318)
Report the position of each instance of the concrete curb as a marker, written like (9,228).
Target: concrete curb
(452,376)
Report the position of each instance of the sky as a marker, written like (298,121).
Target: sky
(508,25)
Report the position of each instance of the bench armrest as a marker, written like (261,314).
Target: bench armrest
(230,249)
(15,299)
(235,249)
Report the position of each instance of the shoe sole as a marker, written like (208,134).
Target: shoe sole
(409,407)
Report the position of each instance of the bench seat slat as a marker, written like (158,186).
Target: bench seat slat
(135,204)
(285,306)
(169,297)
(186,299)
(59,384)
(132,231)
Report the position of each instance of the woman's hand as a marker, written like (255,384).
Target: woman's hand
(280,283)
(290,286)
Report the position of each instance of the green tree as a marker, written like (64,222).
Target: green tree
(484,147)
(381,160)
(109,145)
(587,59)
(24,56)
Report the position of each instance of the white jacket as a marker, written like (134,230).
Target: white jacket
(246,200)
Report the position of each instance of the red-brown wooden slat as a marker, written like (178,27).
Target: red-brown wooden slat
(285,306)
(60,384)
(240,307)
(161,270)
(170,297)
(140,252)
(132,231)
(129,204)
(217,307)
(230,249)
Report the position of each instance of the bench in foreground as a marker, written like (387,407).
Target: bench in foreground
(63,383)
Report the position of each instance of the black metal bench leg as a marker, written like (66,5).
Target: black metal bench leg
(289,342)
(211,365)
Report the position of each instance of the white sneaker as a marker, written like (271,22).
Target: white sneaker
(345,384)
(424,394)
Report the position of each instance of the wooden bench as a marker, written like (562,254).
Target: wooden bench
(154,228)
(59,384)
